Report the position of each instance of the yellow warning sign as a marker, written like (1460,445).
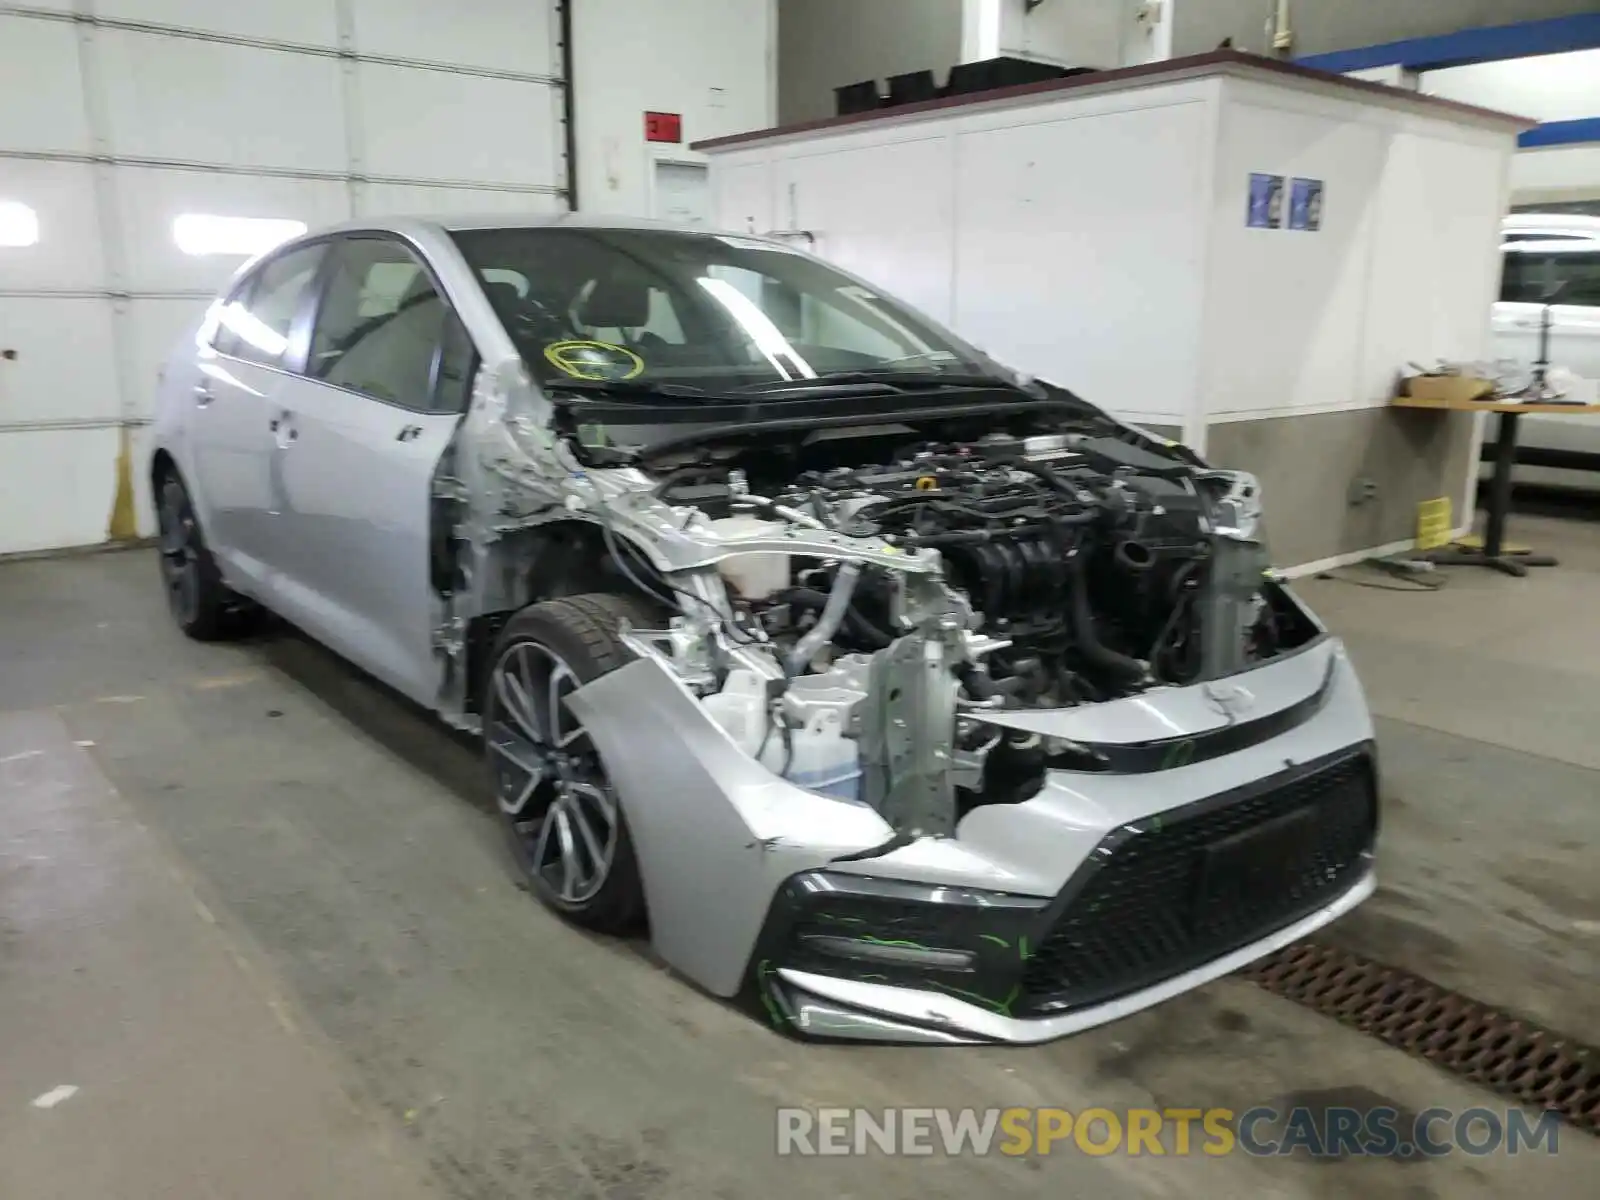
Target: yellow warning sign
(1433,523)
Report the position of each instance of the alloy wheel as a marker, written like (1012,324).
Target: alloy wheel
(548,778)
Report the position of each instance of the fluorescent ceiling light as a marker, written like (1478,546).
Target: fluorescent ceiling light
(19,224)
(203,233)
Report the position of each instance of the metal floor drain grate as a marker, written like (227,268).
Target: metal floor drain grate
(1513,1057)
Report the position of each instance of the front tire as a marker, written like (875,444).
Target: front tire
(560,811)
(204,607)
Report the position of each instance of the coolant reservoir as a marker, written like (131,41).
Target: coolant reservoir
(753,576)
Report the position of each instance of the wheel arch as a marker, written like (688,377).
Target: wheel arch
(553,561)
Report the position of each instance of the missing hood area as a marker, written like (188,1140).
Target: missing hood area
(878,613)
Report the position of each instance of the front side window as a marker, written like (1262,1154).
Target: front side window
(256,321)
(384,330)
(710,311)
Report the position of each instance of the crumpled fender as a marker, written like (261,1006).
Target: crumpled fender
(714,831)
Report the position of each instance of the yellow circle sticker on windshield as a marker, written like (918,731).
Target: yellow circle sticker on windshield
(594,360)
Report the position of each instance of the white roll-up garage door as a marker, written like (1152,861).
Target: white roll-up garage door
(148,146)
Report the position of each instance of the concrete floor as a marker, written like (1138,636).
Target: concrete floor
(253,908)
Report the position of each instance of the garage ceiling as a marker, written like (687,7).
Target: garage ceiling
(147,145)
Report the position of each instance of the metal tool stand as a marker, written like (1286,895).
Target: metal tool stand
(1494,553)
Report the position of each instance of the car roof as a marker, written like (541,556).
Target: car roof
(1577,225)
(451,222)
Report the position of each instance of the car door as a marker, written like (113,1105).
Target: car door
(359,435)
(241,370)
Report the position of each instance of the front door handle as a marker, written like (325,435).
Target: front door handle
(408,433)
(202,394)
(283,426)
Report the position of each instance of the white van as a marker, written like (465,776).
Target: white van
(1552,257)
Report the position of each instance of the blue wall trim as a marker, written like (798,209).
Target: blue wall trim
(1561,133)
(1489,44)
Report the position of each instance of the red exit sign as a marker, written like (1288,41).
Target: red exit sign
(663,127)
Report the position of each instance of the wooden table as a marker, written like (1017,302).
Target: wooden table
(1493,553)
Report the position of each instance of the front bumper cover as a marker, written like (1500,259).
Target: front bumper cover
(825,1006)
(1159,904)
(719,839)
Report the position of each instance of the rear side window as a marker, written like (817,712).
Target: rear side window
(255,324)
(384,330)
(1551,274)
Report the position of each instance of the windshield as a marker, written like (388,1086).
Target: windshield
(708,312)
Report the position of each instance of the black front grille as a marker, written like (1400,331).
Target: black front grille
(1176,890)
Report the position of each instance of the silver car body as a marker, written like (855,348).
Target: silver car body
(317,502)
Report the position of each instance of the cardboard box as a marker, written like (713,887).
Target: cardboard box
(1451,389)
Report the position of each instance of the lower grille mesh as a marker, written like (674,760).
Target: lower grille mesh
(1177,890)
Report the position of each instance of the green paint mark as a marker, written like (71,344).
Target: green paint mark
(762,973)
(998,941)
(1179,755)
(841,920)
(1003,1007)
(1022,947)
(878,941)
(1155,824)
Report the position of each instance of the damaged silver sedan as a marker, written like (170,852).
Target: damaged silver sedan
(900,694)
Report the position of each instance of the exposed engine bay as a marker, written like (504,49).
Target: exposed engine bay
(866,612)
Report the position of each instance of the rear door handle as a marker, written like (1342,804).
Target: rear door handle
(202,394)
(408,433)
(283,426)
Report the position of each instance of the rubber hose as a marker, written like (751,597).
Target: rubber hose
(1083,633)
(833,614)
(856,623)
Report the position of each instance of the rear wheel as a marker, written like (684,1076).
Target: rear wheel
(203,606)
(562,815)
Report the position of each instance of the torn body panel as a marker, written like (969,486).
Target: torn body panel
(720,839)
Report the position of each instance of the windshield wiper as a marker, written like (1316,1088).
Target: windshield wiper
(631,388)
(898,380)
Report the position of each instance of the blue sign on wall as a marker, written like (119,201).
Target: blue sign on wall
(1266,202)
(1305,204)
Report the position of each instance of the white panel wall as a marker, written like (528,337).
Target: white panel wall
(1300,349)
(59,486)
(1403,268)
(1434,204)
(711,61)
(441,125)
(189,100)
(69,255)
(1094,287)
(44,104)
(306,110)
(845,195)
(64,347)
(487,34)
(305,22)
(742,196)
